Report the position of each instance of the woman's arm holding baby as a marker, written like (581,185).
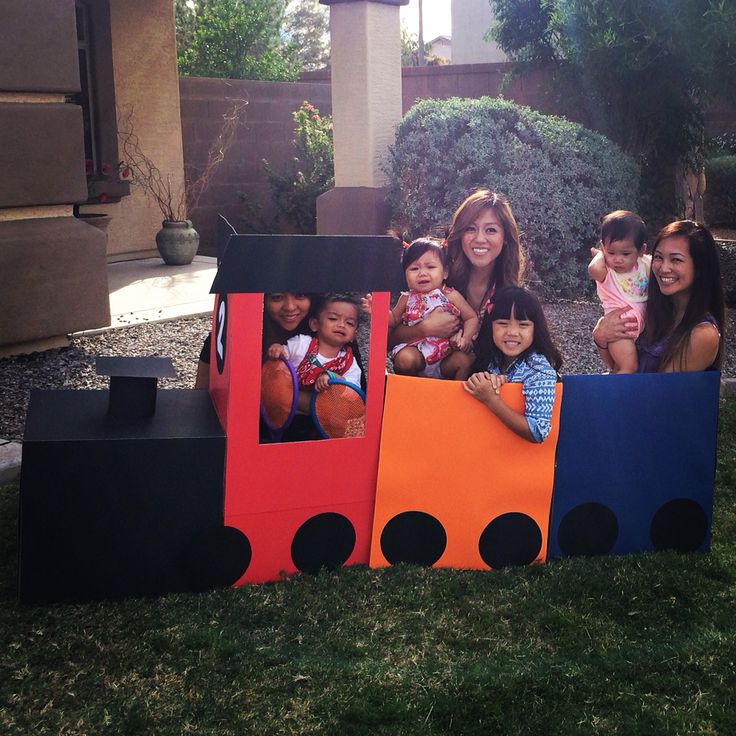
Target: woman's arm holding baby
(437,323)
(463,340)
(612,327)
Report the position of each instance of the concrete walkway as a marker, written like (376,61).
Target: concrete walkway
(150,291)
(140,291)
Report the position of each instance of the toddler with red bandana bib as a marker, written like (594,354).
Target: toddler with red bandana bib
(334,325)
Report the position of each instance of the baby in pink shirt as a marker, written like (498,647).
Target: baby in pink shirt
(621,272)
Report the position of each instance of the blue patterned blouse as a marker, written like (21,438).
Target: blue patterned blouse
(538,379)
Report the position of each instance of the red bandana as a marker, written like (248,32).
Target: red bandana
(307,373)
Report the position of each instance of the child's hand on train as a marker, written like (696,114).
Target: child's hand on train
(497,380)
(485,387)
(366,303)
(276,351)
(461,343)
(321,383)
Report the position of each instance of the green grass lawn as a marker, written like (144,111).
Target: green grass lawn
(644,644)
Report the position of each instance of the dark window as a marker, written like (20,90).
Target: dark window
(97,100)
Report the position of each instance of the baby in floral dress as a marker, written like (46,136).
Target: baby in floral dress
(621,272)
(425,266)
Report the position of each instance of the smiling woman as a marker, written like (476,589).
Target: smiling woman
(485,254)
(685,310)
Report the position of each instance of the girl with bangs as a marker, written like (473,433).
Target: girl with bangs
(515,346)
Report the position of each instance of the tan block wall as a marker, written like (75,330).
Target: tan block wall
(266,132)
(146,79)
(53,277)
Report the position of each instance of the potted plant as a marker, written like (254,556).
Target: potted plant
(177,241)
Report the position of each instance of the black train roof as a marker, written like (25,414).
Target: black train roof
(309,264)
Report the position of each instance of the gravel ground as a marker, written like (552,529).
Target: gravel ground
(181,340)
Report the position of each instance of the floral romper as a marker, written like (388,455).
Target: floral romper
(418,306)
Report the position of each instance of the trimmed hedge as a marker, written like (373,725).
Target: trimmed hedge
(559,177)
(720,193)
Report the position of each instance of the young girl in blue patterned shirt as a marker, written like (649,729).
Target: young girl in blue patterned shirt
(515,346)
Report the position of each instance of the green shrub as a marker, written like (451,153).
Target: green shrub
(559,177)
(723,144)
(720,193)
(295,193)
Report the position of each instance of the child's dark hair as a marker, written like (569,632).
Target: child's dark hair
(417,248)
(526,306)
(623,224)
(320,303)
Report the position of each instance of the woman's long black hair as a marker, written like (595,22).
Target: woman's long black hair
(706,295)
(525,306)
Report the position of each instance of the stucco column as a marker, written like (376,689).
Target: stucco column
(365,57)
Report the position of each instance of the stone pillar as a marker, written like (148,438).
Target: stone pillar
(365,41)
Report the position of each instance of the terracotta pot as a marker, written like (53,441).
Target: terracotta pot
(177,242)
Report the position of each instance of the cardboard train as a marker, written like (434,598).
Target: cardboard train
(137,492)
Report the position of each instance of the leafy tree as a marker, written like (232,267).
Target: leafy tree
(295,193)
(409,48)
(185,17)
(239,39)
(410,51)
(639,71)
(307,27)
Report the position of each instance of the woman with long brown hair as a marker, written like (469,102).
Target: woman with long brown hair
(485,254)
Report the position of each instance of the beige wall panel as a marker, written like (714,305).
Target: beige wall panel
(366,89)
(38,46)
(471,19)
(144,59)
(53,278)
(41,154)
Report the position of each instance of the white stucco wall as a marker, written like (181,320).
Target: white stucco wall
(471,19)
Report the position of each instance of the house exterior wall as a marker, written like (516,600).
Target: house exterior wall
(441,46)
(471,19)
(146,83)
(53,275)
